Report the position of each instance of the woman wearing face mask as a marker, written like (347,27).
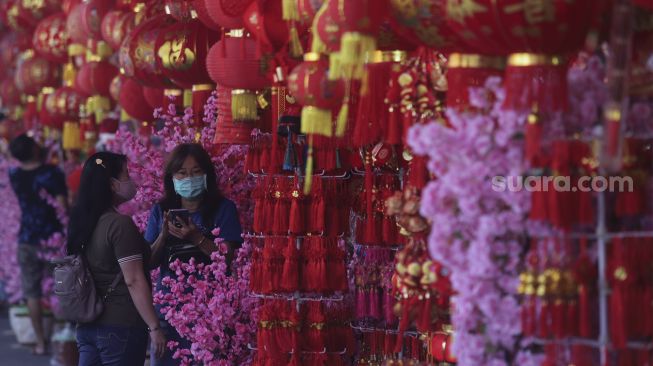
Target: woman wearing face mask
(190,184)
(115,250)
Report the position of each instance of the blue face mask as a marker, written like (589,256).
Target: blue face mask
(191,187)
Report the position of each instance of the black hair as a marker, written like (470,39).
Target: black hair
(95,197)
(23,148)
(212,196)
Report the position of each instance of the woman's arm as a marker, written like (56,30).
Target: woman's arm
(141,294)
(159,244)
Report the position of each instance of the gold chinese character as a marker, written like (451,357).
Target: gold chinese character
(535,11)
(458,10)
(175,55)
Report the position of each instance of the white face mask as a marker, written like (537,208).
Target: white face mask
(190,188)
(126,190)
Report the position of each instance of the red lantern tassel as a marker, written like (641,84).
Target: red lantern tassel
(388,305)
(528,316)
(361,303)
(544,326)
(290,276)
(426,315)
(558,318)
(533,139)
(374,303)
(618,331)
(370,235)
(572,321)
(296,224)
(584,318)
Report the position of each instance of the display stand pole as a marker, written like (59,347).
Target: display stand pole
(602,239)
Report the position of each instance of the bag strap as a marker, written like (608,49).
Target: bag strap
(113,285)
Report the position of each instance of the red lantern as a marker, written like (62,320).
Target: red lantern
(227,13)
(469,70)
(99,76)
(233,63)
(82,82)
(360,22)
(203,15)
(133,102)
(138,53)
(155,97)
(181,54)
(307,9)
(310,85)
(227,131)
(34,73)
(116,25)
(9,94)
(181,10)
(264,20)
(61,105)
(85,20)
(12,44)
(51,38)
(68,5)
(24,16)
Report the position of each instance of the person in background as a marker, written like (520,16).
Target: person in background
(190,184)
(30,180)
(113,246)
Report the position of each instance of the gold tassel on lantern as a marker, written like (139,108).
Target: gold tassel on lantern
(289,9)
(354,48)
(71,139)
(295,45)
(188,98)
(243,105)
(317,121)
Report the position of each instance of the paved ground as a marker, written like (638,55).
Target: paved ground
(11,353)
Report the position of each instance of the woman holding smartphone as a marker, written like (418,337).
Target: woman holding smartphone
(180,225)
(115,251)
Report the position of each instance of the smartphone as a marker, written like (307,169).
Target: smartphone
(179,215)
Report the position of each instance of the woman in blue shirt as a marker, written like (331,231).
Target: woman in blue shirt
(190,183)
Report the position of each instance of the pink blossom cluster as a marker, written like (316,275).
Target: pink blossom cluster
(9,226)
(198,291)
(207,307)
(478,232)
(587,93)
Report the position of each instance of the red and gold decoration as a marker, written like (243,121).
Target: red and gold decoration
(51,38)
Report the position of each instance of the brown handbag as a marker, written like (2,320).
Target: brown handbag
(79,300)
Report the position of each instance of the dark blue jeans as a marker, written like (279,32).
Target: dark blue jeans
(103,345)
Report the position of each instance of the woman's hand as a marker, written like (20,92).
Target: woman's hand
(186,231)
(158,342)
(163,235)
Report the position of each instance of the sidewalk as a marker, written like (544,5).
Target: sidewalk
(13,354)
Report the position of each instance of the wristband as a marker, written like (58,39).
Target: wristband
(150,330)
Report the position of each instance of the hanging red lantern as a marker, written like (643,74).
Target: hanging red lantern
(85,20)
(82,83)
(133,102)
(227,13)
(264,20)
(61,105)
(307,9)
(310,85)
(203,15)
(116,25)
(138,54)
(155,97)
(99,76)
(227,131)
(50,38)
(24,16)
(182,49)
(360,22)
(12,44)
(34,73)
(469,70)
(233,63)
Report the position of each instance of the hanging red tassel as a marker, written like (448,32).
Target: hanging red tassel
(533,138)
(618,298)
(296,224)
(374,303)
(528,316)
(426,314)
(361,303)
(544,325)
(388,305)
(558,317)
(290,276)
(371,235)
